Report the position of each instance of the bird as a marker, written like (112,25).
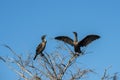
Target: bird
(41,47)
(78,44)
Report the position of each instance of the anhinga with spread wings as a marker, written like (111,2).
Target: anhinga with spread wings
(78,44)
(41,47)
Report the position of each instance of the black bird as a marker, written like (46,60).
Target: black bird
(78,44)
(41,47)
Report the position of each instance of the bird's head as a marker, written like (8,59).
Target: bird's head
(75,33)
(43,38)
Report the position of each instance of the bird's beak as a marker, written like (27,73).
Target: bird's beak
(74,32)
(44,35)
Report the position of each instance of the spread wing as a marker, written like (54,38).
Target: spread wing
(65,39)
(88,39)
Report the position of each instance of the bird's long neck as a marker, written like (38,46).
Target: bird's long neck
(75,37)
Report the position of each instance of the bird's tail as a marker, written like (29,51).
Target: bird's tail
(37,54)
(35,57)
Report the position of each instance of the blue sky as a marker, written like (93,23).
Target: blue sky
(22,22)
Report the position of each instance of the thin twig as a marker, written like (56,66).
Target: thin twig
(67,65)
(50,63)
(19,73)
(105,76)
(23,68)
(14,53)
(1,58)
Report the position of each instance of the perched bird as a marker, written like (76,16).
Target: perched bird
(78,44)
(41,47)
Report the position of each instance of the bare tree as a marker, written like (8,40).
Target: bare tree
(51,66)
(107,76)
